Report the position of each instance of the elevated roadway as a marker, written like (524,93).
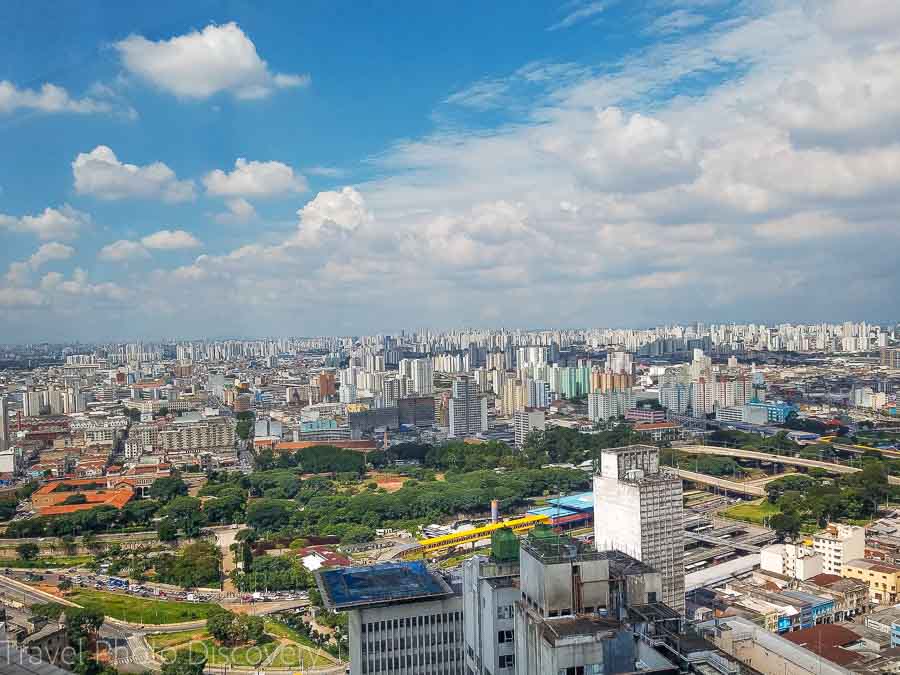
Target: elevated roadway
(776,459)
(723,483)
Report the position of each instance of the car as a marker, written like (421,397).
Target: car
(49,572)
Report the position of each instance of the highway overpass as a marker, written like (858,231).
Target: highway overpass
(777,459)
(732,486)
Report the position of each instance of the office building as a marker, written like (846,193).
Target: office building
(404,619)
(525,421)
(883,579)
(890,357)
(467,410)
(642,509)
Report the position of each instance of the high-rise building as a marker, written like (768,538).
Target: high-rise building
(890,357)
(4,424)
(404,619)
(609,405)
(526,421)
(642,512)
(573,614)
(467,410)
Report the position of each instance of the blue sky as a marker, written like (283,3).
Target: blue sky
(236,168)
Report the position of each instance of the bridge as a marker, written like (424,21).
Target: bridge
(727,485)
(861,449)
(776,459)
(721,541)
(448,541)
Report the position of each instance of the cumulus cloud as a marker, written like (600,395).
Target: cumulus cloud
(123,250)
(62,223)
(239,212)
(332,212)
(627,195)
(19,272)
(170,240)
(50,98)
(200,64)
(255,180)
(99,173)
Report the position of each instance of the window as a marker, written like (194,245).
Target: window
(651,596)
(506,661)
(505,612)
(504,636)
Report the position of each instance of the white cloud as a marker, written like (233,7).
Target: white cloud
(581,12)
(200,64)
(332,212)
(20,297)
(62,223)
(99,173)
(123,250)
(50,98)
(239,212)
(170,240)
(20,272)
(255,180)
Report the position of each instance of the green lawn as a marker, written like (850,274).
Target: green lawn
(752,512)
(50,562)
(293,655)
(284,631)
(248,655)
(166,640)
(140,610)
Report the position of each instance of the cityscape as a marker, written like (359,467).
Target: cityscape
(551,338)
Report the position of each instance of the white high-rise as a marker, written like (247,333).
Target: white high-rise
(467,410)
(638,510)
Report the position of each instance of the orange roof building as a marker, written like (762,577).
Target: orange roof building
(49,499)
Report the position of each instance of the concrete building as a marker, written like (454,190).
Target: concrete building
(467,409)
(839,543)
(490,592)
(764,651)
(638,510)
(609,405)
(883,579)
(525,421)
(404,619)
(573,607)
(4,424)
(790,560)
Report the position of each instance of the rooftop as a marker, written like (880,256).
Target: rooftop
(358,587)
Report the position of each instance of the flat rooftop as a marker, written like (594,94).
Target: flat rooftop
(359,587)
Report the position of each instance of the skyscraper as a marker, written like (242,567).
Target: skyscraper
(467,410)
(4,424)
(638,510)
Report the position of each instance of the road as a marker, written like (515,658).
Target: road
(225,536)
(777,459)
(728,485)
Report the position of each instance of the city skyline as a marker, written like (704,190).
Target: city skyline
(294,171)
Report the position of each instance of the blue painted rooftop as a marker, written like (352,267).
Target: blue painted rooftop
(353,587)
(582,501)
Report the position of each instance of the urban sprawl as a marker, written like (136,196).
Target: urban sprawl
(707,498)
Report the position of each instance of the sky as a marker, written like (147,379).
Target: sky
(208,169)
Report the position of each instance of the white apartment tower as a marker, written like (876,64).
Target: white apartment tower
(467,410)
(638,510)
(526,421)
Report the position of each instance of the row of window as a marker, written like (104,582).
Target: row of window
(417,660)
(412,621)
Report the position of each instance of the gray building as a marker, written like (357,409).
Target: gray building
(638,509)
(490,591)
(404,619)
(574,613)
(416,411)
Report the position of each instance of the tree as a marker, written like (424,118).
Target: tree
(185,662)
(266,514)
(68,543)
(64,585)
(197,564)
(786,525)
(166,530)
(28,551)
(186,514)
(168,488)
